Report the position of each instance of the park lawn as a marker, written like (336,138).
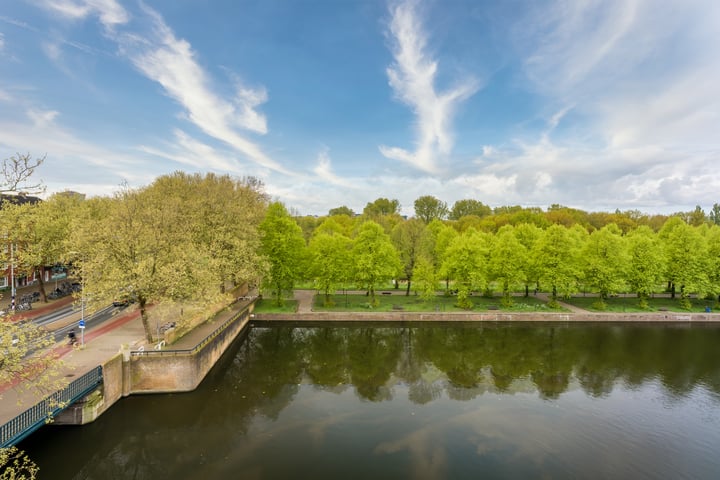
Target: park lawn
(629,304)
(269,305)
(413,303)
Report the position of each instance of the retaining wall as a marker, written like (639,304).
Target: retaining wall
(659,317)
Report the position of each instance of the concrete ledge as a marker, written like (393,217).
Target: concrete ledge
(658,317)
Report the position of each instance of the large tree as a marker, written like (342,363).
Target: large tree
(646,263)
(166,242)
(382,206)
(508,259)
(556,253)
(375,258)
(329,258)
(465,262)
(41,231)
(429,208)
(603,260)
(469,206)
(409,238)
(686,252)
(284,247)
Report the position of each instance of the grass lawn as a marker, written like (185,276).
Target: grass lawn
(412,303)
(630,304)
(268,305)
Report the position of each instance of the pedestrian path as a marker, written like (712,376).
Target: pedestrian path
(100,344)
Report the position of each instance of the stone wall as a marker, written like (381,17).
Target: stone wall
(660,317)
(180,371)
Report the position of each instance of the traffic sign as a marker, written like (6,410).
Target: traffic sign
(81,324)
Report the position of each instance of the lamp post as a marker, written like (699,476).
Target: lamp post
(12,277)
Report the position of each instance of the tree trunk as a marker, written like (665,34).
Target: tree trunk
(143,315)
(407,292)
(41,286)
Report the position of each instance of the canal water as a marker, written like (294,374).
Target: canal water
(420,401)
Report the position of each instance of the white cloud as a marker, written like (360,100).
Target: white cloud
(171,62)
(412,78)
(186,150)
(110,12)
(66,153)
(2,41)
(323,169)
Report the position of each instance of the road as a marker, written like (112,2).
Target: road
(60,321)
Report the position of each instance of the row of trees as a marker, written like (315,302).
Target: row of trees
(471,213)
(368,251)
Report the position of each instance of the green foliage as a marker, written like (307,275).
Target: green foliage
(411,239)
(330,259)
(375,258)
(467,207)
(556,254)
(16,465)
(508,258)
(646,263)
(182,238)
(343,210)
(603,260)
(465,262)
(283,245)
(428,208)
(382,206)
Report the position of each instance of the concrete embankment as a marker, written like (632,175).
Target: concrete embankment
(656,317)
(132,372)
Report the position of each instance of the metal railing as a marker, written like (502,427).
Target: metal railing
(41,413)
(239,316)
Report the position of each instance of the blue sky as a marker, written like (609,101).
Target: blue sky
(592,104)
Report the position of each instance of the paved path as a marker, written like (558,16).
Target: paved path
(101,343)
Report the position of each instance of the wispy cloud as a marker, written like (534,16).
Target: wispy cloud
(110,12)
(323,169)
(412,78)
(102,166)
(171,62)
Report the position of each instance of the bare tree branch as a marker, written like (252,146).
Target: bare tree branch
(16,171)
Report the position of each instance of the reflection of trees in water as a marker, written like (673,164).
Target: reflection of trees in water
(477,357)
(552,357)
(261,376)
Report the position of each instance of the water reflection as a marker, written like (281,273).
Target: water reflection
(421,401)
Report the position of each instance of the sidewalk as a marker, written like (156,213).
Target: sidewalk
(100,344)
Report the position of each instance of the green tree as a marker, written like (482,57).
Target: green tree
(42,230)
(528,234)
(166,243)
(343,210)
(284,247)
(714,214)
(469,206)
(426,279)
(686,252)
(375,258)
(441,238)
(556,253)
(508,258)
(409,240)
(381,206)
(646,263)
(603,259)
(329,260)
(428,208)
(465,263)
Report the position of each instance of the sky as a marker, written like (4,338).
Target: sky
(592,104)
